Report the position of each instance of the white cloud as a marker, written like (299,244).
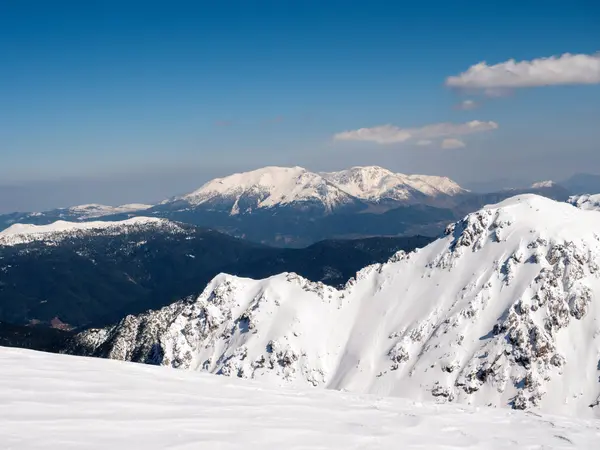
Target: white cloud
(384,134)
(555,70)
(466,105)
(389,134)
(451,143)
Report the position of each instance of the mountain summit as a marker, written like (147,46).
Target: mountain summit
(271,187)
(293,207)
(377,184)
(266,188)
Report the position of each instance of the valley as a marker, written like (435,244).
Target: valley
(95,273)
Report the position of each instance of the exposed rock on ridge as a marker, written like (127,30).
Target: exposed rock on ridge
(503,310)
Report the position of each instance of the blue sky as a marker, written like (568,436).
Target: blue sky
(176,92)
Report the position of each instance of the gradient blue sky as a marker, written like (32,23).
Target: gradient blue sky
(146,99)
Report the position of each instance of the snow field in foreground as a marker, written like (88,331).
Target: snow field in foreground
(65,402)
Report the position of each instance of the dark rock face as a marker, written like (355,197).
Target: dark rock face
(34,337)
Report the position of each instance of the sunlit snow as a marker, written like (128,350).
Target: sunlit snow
(62,402)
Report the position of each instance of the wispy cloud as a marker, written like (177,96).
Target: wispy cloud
(467,105)
(450,143)
(555,70)
(389,134)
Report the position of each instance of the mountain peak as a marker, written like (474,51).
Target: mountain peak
(371,170)
(544,184)
(272,186)
(375,183)
(268,187)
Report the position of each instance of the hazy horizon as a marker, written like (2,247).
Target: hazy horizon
(152,188)
(107,102)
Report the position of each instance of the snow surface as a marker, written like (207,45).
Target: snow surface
(63,402)
(274,186)
(376,183)
(94,210)
(502,311)
(544,184)
(271,186)
(589,202)
(24,233)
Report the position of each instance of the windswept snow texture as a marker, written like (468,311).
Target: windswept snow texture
(502,311)
(62,402)
(60,230)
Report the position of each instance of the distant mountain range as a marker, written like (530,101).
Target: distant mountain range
(293,207)
(67,275)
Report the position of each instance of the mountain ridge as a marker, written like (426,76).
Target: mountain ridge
(501,311)
(19,233)
(293,207)
(274,186)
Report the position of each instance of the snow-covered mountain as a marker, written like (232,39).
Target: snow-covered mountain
(61,402)
(544,184)
(79,213)
(272,187)
(292,207)
(500,311)
(61,230)
(267,188)
(505,312)
(586,201)
(377,184)
(94,210)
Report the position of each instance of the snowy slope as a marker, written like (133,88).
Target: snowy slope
(268,187)
(501,311)
(79,213)
(376,184)
(279,186)
(61,402)
(544,184)
(94,211)
(60,230)
(590,202)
